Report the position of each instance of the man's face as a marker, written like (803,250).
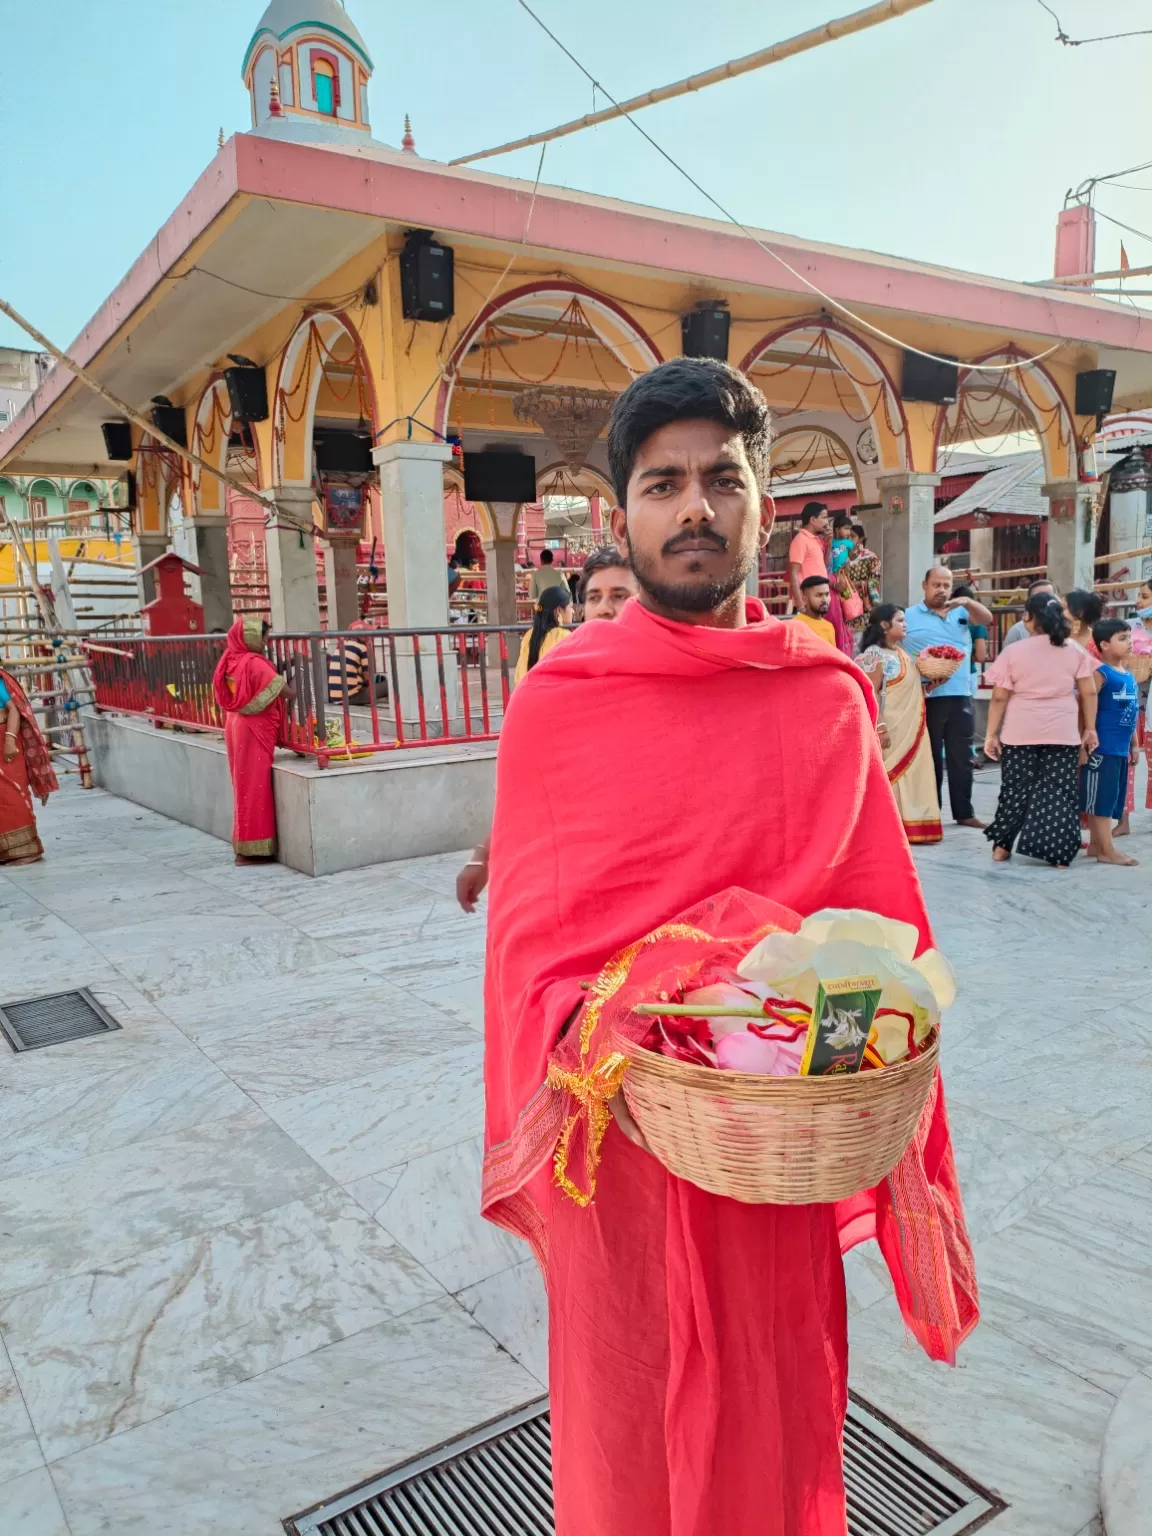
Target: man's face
(938,587)
(607,591)
(817,599)
(694,517)
(821,523)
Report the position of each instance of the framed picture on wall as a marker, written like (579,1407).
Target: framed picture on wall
(344,511)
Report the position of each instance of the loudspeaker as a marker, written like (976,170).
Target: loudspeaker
(117,440)
(342,453)
(704,332)
(923,378)
(1094,391)
(247,393)
(170,420)
(427,277)
(490,476)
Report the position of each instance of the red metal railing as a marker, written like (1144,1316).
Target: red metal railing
(417,688)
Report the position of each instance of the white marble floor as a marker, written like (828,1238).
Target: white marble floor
(240,1261)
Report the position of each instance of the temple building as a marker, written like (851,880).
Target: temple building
(369,339)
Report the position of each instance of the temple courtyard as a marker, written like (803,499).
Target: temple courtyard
(240,1261)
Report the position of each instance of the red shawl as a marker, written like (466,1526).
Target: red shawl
(646,766)
(243,672)
(42,780)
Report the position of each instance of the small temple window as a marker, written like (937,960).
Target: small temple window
(325,87)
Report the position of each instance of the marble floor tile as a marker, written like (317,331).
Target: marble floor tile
(513,1307)
(1043,1283)
(462,999)
(1013,1420)
(65,1221)
(99,1354)
(323,1030)
(42,953)
(19,1449)
(29,1506)
(1139,1162)
(244,1459)
(434,1210)
(866,1277)
(94,1095)
(430,945)
(358,1127)
(1006,1172)
(177,954)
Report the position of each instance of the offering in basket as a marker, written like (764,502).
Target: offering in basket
(937,663)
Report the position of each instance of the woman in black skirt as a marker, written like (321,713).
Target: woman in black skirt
(1034,729)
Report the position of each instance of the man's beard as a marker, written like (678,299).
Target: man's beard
(689,596)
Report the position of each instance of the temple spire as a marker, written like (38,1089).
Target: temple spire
(408,143)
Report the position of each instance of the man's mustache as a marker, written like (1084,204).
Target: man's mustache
(694,536)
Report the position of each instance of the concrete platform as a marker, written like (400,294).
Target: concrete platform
(398,805)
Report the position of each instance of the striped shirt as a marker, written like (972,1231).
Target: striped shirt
(347,676)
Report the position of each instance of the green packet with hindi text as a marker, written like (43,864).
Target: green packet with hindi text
(840,1025)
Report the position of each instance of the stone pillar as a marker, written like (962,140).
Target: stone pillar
(1071,534)
(416,569)
(500,562)
(291,549)
(147,547)
(904,529)
(1130,518)
(340,582)
(209,550)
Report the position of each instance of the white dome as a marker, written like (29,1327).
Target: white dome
(284,17)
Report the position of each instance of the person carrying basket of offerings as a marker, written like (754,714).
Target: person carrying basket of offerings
(678,842)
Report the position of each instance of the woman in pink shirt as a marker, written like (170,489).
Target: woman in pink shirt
(1034,728)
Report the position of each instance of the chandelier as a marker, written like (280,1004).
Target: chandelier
(570,418)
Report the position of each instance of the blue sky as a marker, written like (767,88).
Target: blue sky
(948,135)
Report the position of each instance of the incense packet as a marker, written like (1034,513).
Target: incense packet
(841,1024)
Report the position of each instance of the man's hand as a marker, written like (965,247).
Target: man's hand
(883,736)
(470,882)
(623,1117)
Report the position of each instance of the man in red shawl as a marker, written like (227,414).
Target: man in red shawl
(697,1345)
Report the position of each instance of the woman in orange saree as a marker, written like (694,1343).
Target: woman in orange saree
(26,770)
(249,690)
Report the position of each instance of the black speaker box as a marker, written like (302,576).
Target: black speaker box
(170,420)
(490,476)
(247,393)
(427,278)
(923,378)
(704,332)
(117,440)
(1094,391)
(342,453)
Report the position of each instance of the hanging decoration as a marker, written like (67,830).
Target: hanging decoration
(571,418)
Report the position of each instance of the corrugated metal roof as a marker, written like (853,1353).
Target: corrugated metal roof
(1012,488)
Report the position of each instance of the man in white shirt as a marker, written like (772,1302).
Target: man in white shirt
(1018,630)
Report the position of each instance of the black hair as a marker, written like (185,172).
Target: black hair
(859,528)
(687,389)
(882,614)
(814,581)
(841,520)
(608,558)
(545,618)
(965,589)
(810,510)
(465,547)
(1108,629)
(1040,581)
(1087,607)
(546,557)
(1048,614)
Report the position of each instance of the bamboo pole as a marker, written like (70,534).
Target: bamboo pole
(858,21)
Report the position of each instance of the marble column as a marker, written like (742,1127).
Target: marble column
(208,540)
(903,533)
(291,550)
(500,562)
(340,582)
(1130,516)
(416,571)
(1071,534)
(147,547)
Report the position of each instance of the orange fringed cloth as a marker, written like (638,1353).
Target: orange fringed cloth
(698,1346)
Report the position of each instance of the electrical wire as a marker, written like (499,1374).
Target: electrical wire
(1132,230)
(1078,42)
(768,251)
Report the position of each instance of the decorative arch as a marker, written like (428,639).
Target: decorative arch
(586,472)
(320,340)
(821,342)
(210,433)
(628,342)
(1037,399)
(804,429)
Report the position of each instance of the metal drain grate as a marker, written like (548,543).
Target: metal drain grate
(40,1021)
(497,1481)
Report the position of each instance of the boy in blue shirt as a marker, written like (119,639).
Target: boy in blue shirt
(1104,776)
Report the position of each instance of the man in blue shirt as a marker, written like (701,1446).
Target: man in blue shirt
(942,619)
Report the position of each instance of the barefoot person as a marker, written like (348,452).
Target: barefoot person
(1104,774)
(26,770)
(251,692)
(697,1345)
(1034,730)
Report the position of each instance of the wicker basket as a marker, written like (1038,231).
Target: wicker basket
(776,1140)
(1140,667)
(937,669)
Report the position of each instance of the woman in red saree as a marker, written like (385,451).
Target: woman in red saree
(250,691)
(26,770)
